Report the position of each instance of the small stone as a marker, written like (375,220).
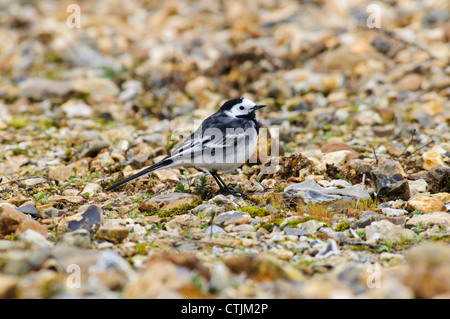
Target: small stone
(207,209)
(392,212)
(368,117)
(392,168)
(61,172)
(8,286)
(418,186)
(69,199)
(338,158)
(243,228)
(92,149)
(98,88)
(232,217)
(437,178)
(33,238)
(40,89)
(167,199)
(310,192)
(112,232)
(428,220)
(281,253)
(294,231)
(181,222)
(310,227)
(52,212)
(429,270)
(432,159)
(338,146)
(384,130)
(213,230)
(165,176)
(91,189)
(14,221)
(330,249)
(79,238)
(161,278)
(387,231)
(76,108)
(426,204)
(410,82)
(388,188)
(85,219)
(30,209)
(423,117)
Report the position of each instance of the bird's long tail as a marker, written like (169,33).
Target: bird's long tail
(162,164)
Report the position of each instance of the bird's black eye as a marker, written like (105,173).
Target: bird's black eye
(241,107)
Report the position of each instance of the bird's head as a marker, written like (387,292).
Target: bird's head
(240,107)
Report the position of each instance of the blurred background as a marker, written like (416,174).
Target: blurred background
(167,58)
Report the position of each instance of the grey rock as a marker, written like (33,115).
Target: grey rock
(213,230)
(312,193)
(389,188)
(30,209)
(392,212)
(368,217)
(310,226)
(34,239)
(437,178)
(330,249)
(427,220)
(232,217)
(387,231)
(79,238)
(20,262)
(294,231)
(40,89)
(169,197)
(208,209)
(90,217)
(51,212)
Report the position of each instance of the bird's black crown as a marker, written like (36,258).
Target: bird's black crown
(229,104)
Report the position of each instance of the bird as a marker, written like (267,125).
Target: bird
(223,142)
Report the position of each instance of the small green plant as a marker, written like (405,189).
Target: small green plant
(362,235)
(180,188)
(202,186)
(41,198)
(113,74)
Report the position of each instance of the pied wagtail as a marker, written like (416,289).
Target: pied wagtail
(223,142)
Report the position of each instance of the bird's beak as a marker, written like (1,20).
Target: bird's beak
(258,107)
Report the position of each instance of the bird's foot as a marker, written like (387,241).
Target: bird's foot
(228,190)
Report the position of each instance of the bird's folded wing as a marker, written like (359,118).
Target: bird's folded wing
(197,146)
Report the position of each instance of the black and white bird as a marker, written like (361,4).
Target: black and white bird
(223,142)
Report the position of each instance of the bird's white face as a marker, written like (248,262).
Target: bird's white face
(243,108)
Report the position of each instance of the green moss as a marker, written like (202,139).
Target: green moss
(342,226)
(179,210)
(255,211)
(19,121)
(141,249)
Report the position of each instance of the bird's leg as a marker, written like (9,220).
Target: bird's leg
(227,188)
